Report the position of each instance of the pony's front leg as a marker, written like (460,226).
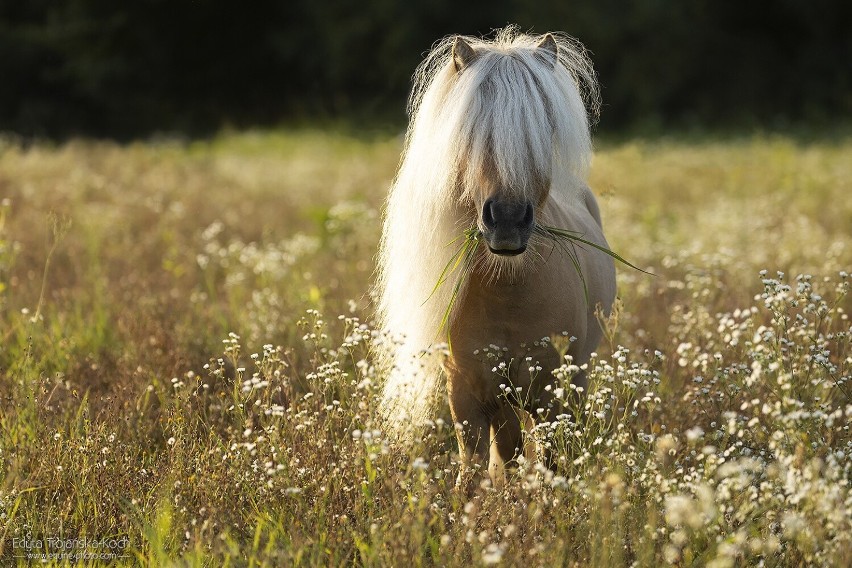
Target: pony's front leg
(507,443)
(473,425)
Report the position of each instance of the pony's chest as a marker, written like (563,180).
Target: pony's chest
(510,316)
(499,334)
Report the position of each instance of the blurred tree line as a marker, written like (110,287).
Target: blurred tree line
(130,68)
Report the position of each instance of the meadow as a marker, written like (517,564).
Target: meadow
(186,364)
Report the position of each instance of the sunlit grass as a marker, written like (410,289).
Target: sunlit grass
(198,375)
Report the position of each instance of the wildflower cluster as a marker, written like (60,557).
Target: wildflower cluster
(761,465)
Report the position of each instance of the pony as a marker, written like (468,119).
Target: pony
(497,150)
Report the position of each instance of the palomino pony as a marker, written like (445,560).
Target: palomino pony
(497,149)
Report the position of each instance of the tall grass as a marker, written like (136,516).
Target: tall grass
(195,373)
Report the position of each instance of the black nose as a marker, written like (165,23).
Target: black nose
(506,215)
(507,225)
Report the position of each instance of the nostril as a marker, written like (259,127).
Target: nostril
(488,214)
(529,214)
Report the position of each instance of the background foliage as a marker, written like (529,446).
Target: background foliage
(131,68)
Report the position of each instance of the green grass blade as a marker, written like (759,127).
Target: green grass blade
(572,255)
(450,267)
(470,246)
(573,236)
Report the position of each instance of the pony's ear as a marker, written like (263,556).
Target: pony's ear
(548,48)
(463,54)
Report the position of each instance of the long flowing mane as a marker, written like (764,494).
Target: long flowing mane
(516,109)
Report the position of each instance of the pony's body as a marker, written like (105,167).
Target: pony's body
(547,300)
(497,148)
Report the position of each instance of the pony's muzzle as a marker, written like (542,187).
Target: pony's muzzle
(507,225)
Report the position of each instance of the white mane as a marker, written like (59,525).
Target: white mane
(514,107)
